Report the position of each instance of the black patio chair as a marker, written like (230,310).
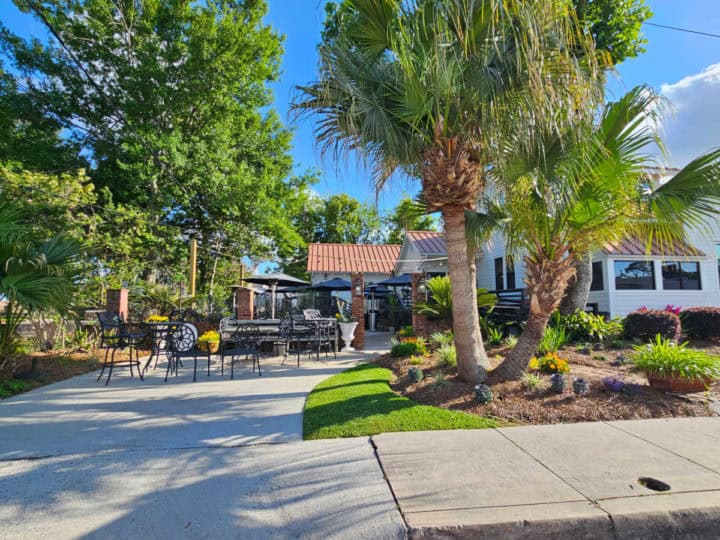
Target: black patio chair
(116,335)
(182,344)
(283,337)
(244,341)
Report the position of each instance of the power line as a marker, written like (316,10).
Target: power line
(683,30)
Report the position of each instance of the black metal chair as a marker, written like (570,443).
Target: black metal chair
(244,341)
(182,344)
(158,333)
(115,335)
(283,337)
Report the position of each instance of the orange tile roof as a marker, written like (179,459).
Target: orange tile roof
(634,246)
(363,258)
(428,242)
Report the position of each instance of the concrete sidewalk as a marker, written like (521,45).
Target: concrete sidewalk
(566,480)
(217,458)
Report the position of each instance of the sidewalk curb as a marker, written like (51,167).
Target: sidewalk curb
(683,523)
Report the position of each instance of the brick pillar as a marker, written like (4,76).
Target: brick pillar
(419,322)
(358,309)
(244,303)
(116,301)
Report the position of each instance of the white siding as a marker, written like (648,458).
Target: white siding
(602,298)
(495,248)
(410,261)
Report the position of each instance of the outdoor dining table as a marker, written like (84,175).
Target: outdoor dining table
(158,339)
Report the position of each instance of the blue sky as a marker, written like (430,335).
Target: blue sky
(674,59)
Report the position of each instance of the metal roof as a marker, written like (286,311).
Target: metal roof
(362,258)
(428,242)
(636,247)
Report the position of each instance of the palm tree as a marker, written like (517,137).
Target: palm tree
(419,86)
(34,275)
(570,195)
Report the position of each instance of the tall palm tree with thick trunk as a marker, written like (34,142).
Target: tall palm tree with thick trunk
(420,86)
(567,198)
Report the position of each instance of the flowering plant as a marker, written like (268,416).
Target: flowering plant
(549,363)
(157,318)
(211,336)
(341,315)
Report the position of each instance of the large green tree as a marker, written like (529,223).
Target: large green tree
(422,85)
(614,25)
(339,219)
(408,215)
(170,100)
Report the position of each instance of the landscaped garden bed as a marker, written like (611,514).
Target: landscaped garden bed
(616,388)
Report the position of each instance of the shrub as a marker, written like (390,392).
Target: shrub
(582,326)
(549,363)
(646,324)
(416,360)
(701,322)
(409,348)
(406,331)
(553,339)
(448,356)
(439,380)
(666,357)
(494,336)
(510,341)
(534,383)
(11,387)
(438,339)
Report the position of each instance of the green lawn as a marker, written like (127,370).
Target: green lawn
(359,401)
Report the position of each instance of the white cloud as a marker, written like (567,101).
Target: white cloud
(694,127)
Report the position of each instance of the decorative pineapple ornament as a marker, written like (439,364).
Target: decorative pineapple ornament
(483,393)
(557,383)
(415,374)
(580,386)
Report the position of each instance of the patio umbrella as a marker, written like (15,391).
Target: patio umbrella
(334,284)
(273,281)
(397,281)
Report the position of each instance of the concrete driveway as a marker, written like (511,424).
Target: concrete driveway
(211,459)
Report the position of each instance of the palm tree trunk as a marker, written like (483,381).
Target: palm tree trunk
(576,296)
(516,362)
(546,281)
(466,323)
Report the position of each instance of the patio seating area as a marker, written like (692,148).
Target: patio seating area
(176,340)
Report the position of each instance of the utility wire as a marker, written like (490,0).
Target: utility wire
(683,30)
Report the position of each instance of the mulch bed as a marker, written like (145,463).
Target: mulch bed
(58,365)
(513,403)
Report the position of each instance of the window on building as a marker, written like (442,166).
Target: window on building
(634,275)
(510,271)
(499,277)
(681,275)
(597,283)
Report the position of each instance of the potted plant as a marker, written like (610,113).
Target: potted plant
(406,333)
(209,341)
(672,367)
(347,329)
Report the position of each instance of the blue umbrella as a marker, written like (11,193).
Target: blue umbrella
(397,281)
(334,284)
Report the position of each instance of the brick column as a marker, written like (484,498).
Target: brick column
(358,309)
(419,322)
(116,301)
(244,303)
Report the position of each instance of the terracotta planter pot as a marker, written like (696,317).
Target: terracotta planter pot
(405,339)
(669,383)
(211,347)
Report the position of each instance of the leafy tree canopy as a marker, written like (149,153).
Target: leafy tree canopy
(408,216)
(338,219)
(169,100)
(615,25)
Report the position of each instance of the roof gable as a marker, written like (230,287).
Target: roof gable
(427,242)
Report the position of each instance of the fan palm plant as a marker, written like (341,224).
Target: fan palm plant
(570,196)
(418,86)
(34,276)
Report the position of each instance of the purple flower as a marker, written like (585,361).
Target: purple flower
(614,384)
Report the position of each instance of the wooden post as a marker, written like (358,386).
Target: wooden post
(193,265)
